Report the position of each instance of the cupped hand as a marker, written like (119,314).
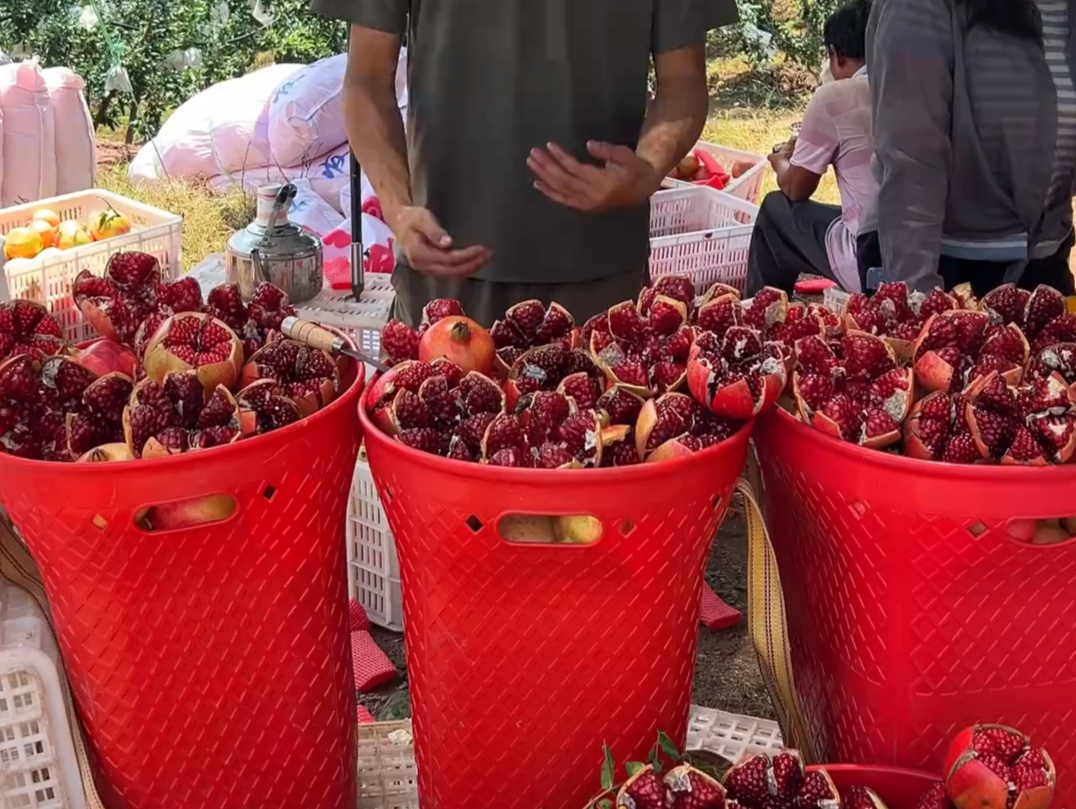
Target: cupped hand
(624,180)
(428,247)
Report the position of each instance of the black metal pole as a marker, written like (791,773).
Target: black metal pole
(358,276)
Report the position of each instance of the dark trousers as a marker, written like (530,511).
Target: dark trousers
(982,275)
(789,238)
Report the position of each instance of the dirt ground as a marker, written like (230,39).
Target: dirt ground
(726,671)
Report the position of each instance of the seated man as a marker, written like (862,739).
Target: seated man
(794,234)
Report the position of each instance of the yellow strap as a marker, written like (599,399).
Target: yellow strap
(769,631)
(19,568)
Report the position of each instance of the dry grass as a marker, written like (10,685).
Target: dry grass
(209,217)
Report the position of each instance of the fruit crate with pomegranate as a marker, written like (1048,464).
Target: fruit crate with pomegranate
(702,234)
(49,243)
(206,459)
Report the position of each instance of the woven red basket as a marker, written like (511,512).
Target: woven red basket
(211,665)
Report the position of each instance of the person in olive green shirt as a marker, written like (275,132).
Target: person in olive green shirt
(531,150)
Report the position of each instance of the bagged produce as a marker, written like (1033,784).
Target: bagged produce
(312,212)
(29,135)
(306,116)
(76,151)
(328,176)
(222,130)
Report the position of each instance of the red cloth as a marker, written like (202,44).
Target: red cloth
(715,614)
(372,666)
(365,717)
(814,286)
(357,617)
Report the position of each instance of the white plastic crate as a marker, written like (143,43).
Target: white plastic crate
(701,233)
(373,570)
(48,280)
(362,319)
(748,186)
(731,736)
(38,765)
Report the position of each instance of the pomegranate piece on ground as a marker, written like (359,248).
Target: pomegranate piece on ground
(675,425)
(308,376)
(194,341)
(854,391)
(36,397)
(28,328)
(737,376)
(179,415)
(995,767)
(255,324)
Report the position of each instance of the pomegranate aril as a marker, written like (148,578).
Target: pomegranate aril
(425,439)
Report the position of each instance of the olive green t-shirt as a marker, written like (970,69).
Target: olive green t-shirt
(488,80)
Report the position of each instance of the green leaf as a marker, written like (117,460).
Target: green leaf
(633,767)
(668,747)
(605,803)
(655,761)
(608,767)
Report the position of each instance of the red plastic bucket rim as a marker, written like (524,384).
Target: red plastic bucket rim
(501,474)
(906,465)
(231,450)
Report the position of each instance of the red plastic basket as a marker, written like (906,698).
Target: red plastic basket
(911,614)
(524,659)
(898,788)
(211,665)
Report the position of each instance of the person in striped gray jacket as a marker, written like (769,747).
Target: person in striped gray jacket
(974,118)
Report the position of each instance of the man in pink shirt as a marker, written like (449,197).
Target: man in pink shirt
(793,233)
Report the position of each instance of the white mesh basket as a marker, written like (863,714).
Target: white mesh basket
(701,233)
(362,319)
(48,280)
(373,570)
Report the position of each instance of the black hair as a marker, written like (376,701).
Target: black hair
(845,32)
(1018,18)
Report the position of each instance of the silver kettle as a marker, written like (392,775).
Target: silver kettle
(273,249)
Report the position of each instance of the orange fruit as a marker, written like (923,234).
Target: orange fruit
(22,243)
(46,231)
(108,223)
(72,234)
(47,215)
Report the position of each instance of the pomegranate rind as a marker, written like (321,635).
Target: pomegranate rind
(932,371)
(159,361)
(107,453)
(970,784)
(735,399)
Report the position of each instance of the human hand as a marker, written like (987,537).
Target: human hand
(428,247)
(625,180)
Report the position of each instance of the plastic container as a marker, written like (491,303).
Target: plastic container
(37,754)
(211,665)
(522,656)
(362,319)
(911,614)
(48,281)
(701,233)
(748,186)
(731,736)
(373,570)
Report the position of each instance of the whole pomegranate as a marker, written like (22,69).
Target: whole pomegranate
(117,304)
(194,341)
(675,425)
(737,376)
(28,328)
(995,767)
(461,341)
(758,782)
(852,389)
(178,415)
(682,787)
(308,376)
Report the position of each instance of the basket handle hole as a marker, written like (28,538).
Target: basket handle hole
(1042,532)
(547,529)
(714,504)
(269,492)
(190,513)
(626,527)
(977,529)
(389,495)
(474,523)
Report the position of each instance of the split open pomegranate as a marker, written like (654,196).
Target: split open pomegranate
(758,782)
(957,347)
(553,367)
(256,323)
(1041,314)
(656,300)
(198,342)
(737,376)
(36,396)
(178,415)
(1034,423)
(937,429)
(852,389)
(100,419)
(557,433)
(265,406)
(675,425)
(530,324)
(682,787)
(895,314)
(28,328)
(309,376)
(996,767)
(634,353)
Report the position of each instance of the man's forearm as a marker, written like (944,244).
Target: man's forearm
(376,133)
(674,122)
